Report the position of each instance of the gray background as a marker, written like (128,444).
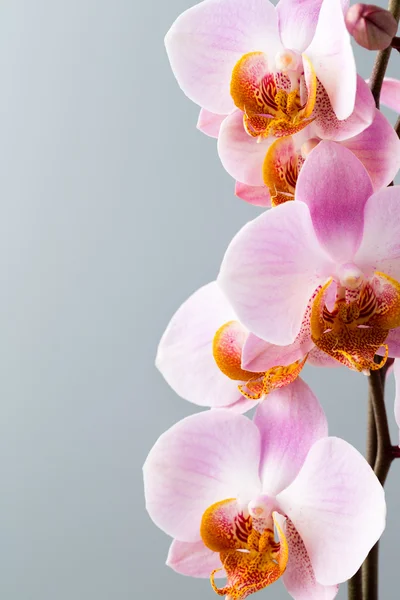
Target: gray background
(113,209)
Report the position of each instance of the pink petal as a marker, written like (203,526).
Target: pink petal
(328,127)
(317,358)
(257,195)
(241,155)
(393,341)
(390,93)
(207,40)
(396,371)
(379,249)
(299,577)
(209,123)
(338,507)
(335,186)
(290,420)
(297,22)
(258,355)
(271,269)
(332,57)
(203,459)
(378,148)
(193,559)
(184,355)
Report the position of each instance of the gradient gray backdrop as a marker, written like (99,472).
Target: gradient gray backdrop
(113,209)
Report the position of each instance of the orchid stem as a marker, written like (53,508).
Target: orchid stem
(397,127)
(382,58)
(379,455)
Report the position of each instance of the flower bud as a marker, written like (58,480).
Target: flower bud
(371,26)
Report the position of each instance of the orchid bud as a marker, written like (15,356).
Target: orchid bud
(371,26)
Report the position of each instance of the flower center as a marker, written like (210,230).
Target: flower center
(227,351)
(245,541)
(270,99)
(358,325)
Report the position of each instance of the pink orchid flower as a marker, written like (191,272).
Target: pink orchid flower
(266,172)
(201,355)
(333,255)
(219,483)
(396,371)
(277,68)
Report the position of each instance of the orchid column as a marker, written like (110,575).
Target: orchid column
(314,279)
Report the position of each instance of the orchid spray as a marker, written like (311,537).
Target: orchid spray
(314,279)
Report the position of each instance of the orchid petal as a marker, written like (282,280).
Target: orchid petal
(258,355)
(290,420)
(328,127)
(240,153)
(199,461)
(210,123)
(185,356)
(332,57)
(390,93)
(297,22)
(271,269)
(258,195)
(378,148)
(335,186)
(337,505)
(193,559)
(393,342)
(207,40)
(379,249)
(299,577)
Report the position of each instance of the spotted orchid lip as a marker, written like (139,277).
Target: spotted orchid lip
(271,101)
(359,323)
(227,351)
(250,555)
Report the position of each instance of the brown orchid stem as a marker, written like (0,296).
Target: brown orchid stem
(379,455)
(382,58)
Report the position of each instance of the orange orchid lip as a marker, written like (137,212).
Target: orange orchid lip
(271,107)
(357,328)
(249,554)
(227,351)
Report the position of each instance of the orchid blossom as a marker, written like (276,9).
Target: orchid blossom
(332,254)
(201,355)
(220,484)
(271,67)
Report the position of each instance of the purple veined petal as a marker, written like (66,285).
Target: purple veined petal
(193,559)
(299,577)
(328,127)
(207,40)
(396,371)
(241,155)
(290,421)
(297,22)
(257,195)
(209,123)
(390,93)
(378,148)
(335,186)
(184,355)
(271,269)
(203,459)
(332,57)
(380,248)
(337,505)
